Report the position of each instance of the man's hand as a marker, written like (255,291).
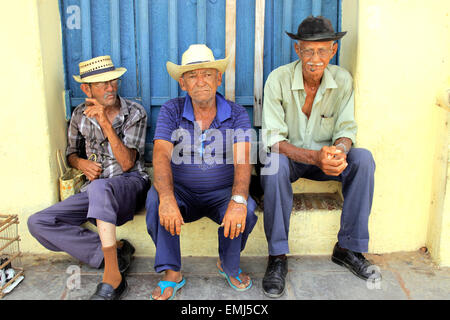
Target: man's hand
(236,214)
(170,216)
(91,169)
(96,110)
(331,161)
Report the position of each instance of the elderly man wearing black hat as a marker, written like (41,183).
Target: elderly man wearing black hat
(308,117)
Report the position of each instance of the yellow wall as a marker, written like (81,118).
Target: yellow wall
(398,52)
(32,124)
(401,55)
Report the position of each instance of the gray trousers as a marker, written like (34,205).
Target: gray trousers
(357,188)
(114,200)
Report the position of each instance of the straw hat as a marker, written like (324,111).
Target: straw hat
(198,56)
(98,69)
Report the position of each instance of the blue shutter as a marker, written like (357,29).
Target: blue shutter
(142,35)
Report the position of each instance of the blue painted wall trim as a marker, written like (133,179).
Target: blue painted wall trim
(142,35)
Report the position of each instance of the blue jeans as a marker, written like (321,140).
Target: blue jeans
(357,188)
(194,206)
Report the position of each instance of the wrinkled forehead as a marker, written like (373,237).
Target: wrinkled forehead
(200,71)
(315,44)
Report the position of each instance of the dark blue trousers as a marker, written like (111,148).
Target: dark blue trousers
(114,200)
(194,206)
(357,188)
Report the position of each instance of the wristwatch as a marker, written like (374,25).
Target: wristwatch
(239,199)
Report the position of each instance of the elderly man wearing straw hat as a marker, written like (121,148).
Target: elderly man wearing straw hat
(190,183)
(308,115)
(113,129)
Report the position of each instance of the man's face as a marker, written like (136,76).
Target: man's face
(104,92)
(201,84)
(315,56)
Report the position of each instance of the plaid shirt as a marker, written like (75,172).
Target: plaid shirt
(130,125)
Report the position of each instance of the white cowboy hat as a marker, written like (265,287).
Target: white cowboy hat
(198,56)
(98,69)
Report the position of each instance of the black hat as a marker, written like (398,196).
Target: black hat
(316,29)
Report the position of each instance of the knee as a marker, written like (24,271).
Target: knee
(152,207)
(152,200)
(98,187)
(251,207)
(33,223)
(276,171)
(362,158)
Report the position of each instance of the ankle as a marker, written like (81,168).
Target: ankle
(281,256)
(171,275)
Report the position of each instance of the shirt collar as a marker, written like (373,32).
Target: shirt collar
(123,107)
(326,83)
(223,108)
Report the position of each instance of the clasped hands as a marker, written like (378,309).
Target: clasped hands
(331,160)
(171,219)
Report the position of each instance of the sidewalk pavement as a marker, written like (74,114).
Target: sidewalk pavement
(406,275)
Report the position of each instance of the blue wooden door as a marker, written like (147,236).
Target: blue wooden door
(142,35)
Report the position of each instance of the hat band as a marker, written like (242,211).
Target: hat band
(310,35)
(196,62)
(92,73)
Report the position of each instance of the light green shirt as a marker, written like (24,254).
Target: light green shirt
(332,113)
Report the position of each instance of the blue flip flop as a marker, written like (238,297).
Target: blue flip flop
(170,284)
(231,284)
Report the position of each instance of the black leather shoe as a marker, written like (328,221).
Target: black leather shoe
(106,292)
(124,256)
(274,279)
(356,263)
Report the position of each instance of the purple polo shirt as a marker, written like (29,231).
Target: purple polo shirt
(202,160)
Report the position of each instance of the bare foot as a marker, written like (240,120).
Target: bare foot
(243,276)
(170,275)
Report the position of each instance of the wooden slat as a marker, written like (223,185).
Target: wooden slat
(230,49)
(114,14)
(86,36)
(9,243)
(259,62)
(144,56)
(316,7)
(201,21)
(8,222)
(173,44)
(286,42)
(16,255)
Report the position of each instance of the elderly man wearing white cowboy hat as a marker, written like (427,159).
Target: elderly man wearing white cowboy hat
(308,115)
(113,129)
(194,128)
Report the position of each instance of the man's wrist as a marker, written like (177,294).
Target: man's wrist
(342,146)
(239,199)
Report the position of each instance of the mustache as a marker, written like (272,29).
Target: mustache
(315,64)
(106,95)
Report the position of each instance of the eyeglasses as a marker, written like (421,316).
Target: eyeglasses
(309,53)
(102,85)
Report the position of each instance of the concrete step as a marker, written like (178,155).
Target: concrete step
(314,226)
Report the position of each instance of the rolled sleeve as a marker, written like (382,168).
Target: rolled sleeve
(166,123)
(242,127)
(135,131)
(75,139)
(345,126)
(274,125)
